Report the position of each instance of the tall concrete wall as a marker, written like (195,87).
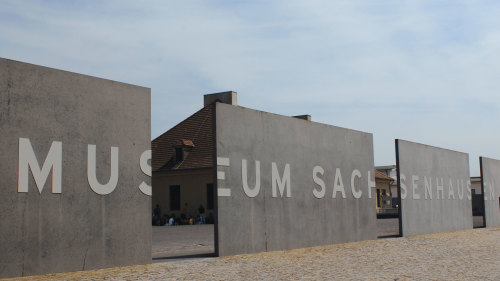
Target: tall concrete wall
(48,119)
(490,175)
(434,185)
(287,203)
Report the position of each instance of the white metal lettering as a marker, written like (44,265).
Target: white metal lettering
(371,183)
(440,188)
(97,187)
(28,161)
(460,189)
(414,183)
(451,192)
(146,169)
(357,194)
(338,185)
(317,180)
(282,183)
(250,192)
(221,175)
(404,191)
(428,188)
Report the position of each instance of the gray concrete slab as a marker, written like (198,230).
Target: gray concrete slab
(52,227)
(490,173)
(435,191)
(302,166)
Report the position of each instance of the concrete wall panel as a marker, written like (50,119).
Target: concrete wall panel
(435,189)
(256,221)
(75,229)
(490,174)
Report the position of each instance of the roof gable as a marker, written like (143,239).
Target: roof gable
(199,130)
(381,176)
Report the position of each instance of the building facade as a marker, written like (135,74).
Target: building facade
(183,168)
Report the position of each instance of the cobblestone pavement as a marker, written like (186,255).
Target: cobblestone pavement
(461,255)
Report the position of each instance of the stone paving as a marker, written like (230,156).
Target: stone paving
(387,227)
(188,240)
(390,227)
(461,255)
(182,240)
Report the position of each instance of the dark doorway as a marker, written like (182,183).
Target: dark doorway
(387,201)
(175,197)
(210,196)
(477,210)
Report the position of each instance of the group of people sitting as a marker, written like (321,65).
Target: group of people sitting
(183,219)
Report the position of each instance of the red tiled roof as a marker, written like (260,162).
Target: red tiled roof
(197,131)
(382,176)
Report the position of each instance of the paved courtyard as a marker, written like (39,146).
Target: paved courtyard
(390,227)
(188,241)
(387,227)
(461,255)
(182,241)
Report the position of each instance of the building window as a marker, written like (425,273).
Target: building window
(179,154)
(175,197)
(210,196)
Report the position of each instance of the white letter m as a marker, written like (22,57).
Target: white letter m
(27,160)
(284,183)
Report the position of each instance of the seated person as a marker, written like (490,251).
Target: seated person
(171,221)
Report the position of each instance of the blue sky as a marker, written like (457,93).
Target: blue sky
(424,71)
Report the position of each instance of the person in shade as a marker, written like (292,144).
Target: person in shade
(201,210)
(184,213)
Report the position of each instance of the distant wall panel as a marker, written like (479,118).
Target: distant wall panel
(435,189)
(490,174)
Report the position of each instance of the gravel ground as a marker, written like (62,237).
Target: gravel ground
(460,255)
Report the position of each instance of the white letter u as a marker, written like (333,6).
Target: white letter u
(244,178)
(98,188)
